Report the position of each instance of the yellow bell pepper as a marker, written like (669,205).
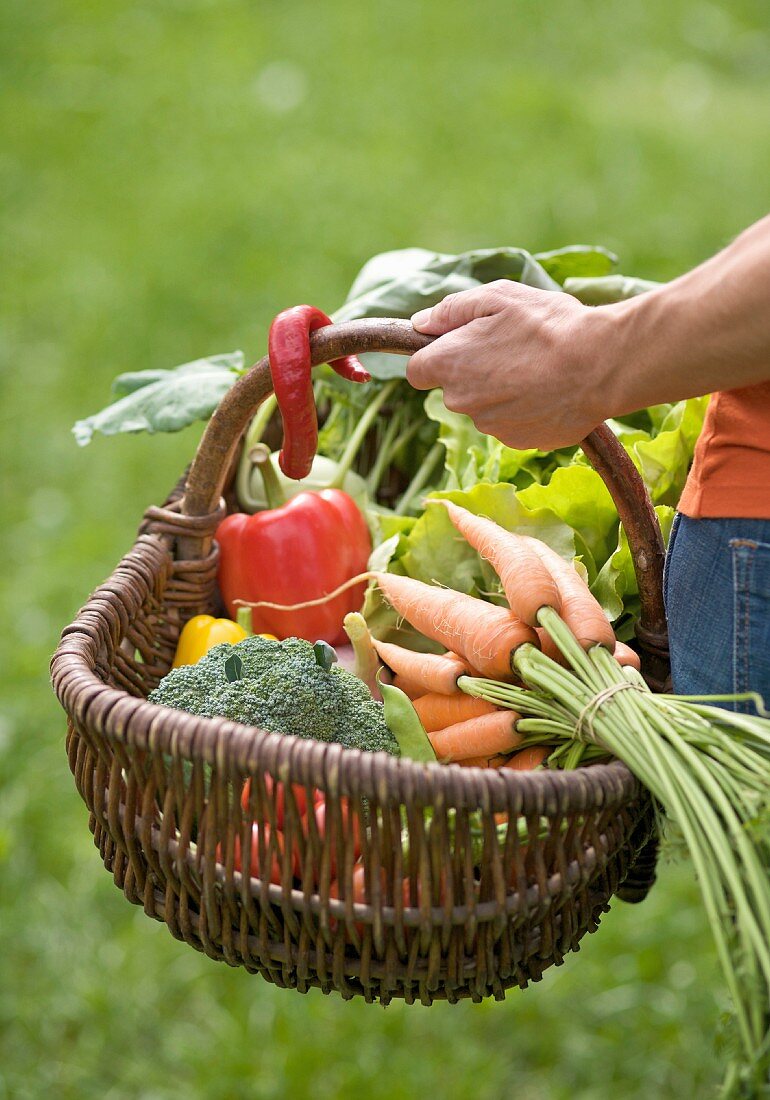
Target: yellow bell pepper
(203,632)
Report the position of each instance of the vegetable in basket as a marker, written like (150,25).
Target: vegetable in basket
(299,550)
(202,633)
(290,368)
(229,821)
(282,687)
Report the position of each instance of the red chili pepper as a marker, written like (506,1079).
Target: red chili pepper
(289,348)
(297,552)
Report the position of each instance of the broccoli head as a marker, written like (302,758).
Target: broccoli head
(282,687)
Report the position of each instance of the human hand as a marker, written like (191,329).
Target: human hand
(522,363)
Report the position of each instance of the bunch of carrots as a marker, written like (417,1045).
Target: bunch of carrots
(482,639)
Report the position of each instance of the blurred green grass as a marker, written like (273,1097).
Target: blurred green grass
(173,173)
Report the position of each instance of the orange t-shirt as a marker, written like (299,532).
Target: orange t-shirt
(730,476)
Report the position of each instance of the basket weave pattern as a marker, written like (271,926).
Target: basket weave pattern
(454,914)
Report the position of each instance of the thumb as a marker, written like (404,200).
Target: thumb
(463,307)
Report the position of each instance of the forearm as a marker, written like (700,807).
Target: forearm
(708,330)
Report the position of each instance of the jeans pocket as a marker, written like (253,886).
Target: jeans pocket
(751,618)
(669,552)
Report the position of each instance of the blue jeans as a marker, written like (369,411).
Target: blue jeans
(716,585)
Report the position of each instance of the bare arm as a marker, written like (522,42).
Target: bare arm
(538,369)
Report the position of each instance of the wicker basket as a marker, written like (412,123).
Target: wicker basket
(460,916)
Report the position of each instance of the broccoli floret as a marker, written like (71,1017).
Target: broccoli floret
(189,688)
(282,688)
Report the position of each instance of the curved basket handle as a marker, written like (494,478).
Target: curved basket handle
(216,454)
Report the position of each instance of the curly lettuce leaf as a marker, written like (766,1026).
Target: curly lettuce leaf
(471,456)
(664,459)
(579,497)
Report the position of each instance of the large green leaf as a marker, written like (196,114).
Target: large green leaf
(605,289)
(164,401)
(577,261)
(460,437)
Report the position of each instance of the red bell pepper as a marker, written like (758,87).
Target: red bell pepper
(293,553)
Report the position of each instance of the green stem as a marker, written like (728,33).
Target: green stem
(698,766)
(243,618)
(274,494)
(574,756)
(745,723)
(348,456)
(256,430)
(719,875)
(568,644)
(744,697)
(377,471)
(260,420)
(544,726)
(407,434)
(421,478)
(646,756)
(388,454)
(515,698)
(683,753)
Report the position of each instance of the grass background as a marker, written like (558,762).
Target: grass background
(173,173)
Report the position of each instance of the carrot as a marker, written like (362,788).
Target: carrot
(414,691)
(437,711)
(579,609)
(430,671)
(484,635)
(471,671)
(485,736)
(527,759)
(496,761)
(625,655)
(526,581)
(550,648)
